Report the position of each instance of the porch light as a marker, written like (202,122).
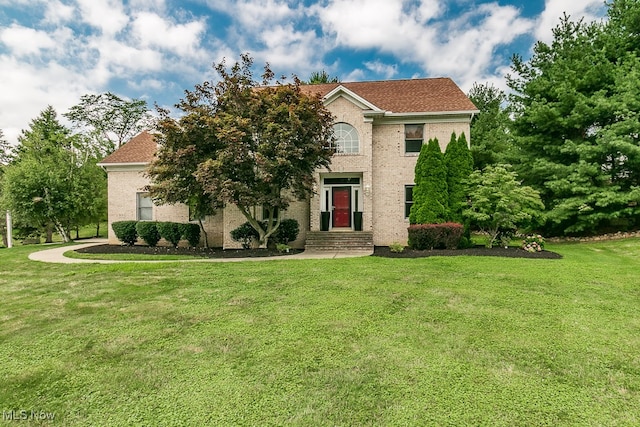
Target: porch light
(367,190)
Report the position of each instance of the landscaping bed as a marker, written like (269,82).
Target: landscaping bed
(380,251)
(196,252)
(510,252)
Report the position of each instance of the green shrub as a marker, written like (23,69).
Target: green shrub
(286,232)
(191,233)
(244,234)
(430,194)
(435,236)
(126,231)
(148,231)
(171,232)
(396,248)
(283,248)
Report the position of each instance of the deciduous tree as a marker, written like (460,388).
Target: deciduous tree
(109,120)
(49,183)
(247,143)
(499,205)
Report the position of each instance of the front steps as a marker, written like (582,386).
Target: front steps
(339,241)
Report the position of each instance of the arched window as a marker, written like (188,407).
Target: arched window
(346,139)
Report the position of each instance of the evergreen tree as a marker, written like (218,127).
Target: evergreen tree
(577,125)
(492,140)
(430,195)
(5,150)
(459,164)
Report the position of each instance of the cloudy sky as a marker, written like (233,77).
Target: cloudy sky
(54,51)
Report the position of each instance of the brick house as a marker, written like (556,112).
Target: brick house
(364,200)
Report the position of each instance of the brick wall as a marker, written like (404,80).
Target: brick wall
(393,169)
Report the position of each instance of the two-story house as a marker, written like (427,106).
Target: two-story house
(380,127)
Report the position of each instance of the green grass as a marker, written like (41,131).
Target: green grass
(369,341)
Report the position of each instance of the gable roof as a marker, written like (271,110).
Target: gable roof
(140,149)
(432,95)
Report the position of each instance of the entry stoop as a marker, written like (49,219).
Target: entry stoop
(339,241)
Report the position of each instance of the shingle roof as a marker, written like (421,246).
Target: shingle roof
(406,96)
(395,96)
(140,149)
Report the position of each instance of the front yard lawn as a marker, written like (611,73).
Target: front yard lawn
(365,341)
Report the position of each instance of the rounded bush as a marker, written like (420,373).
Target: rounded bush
(170,231)
(286,232)
(148,231)
(244,234)
(126,231)
(191,233)
(435,236)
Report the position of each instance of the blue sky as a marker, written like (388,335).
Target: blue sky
(54,51)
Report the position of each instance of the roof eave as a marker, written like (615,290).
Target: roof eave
(123,164)
(364,104)
(432,113)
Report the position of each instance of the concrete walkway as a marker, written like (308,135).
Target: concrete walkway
(56,255)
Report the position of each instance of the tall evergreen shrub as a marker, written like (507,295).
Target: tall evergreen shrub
(459,163)
(430,194)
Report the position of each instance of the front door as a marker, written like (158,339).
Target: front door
(341,206)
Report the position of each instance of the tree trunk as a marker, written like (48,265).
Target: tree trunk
(97,229)
(62,231)
(204,233)
(49,233)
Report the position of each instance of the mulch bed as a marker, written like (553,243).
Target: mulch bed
(196,252)
(510,252)
(380,251)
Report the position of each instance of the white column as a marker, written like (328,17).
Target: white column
(9,230)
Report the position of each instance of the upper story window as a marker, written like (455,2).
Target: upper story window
(413,138)
(144,207)
(346,139)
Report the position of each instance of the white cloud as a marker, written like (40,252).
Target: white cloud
(387,70)
(107,15)
(254,15)
(57,12)
(368,23)
(590,10)
(461,48)
(26,41)
(27,90)
(147,84)
(154,31)
(429,9)
(122,59)
(288,49)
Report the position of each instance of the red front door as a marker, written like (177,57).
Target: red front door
(341,206)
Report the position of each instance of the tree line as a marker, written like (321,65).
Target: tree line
(50,181)
(570,125)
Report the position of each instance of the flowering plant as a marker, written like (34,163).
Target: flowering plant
(533,243)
